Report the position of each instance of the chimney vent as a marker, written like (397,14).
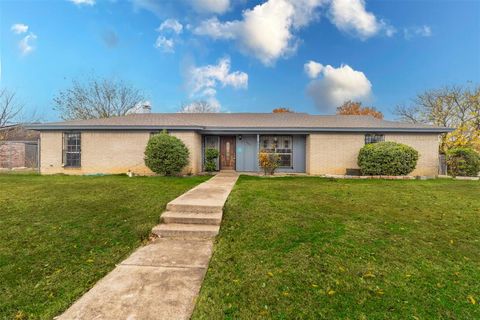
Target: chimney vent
(146,107)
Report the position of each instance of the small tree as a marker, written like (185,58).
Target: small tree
(166,154)
(463,161)
(355,108)
(211,156)
(269,162)
(387,158)
(282,110)
(97,98)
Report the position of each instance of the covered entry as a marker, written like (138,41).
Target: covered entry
(240,152)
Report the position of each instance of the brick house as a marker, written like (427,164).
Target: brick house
(311,144)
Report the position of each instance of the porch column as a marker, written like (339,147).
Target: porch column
(258,151)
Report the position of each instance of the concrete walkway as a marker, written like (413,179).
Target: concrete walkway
(162,280)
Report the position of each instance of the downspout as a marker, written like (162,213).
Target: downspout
(38,155)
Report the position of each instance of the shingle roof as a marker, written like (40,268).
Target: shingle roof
(240,122)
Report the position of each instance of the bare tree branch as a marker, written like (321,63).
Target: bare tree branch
(450,106)
(97,98)
(10,108)
(199,106)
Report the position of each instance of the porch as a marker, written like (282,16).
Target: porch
(239,152)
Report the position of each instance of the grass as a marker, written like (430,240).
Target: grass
(313,248)
(60,234)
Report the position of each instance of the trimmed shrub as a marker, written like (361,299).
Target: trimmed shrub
(211,155)
(463,161)
(166,154)
(387,159)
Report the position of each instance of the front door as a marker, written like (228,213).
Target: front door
(227,153)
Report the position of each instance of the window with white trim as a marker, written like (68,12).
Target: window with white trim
(280,145)
(72,153)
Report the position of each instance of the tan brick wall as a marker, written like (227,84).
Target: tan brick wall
(193,141)
(427,146)
(111,152)
(333,153)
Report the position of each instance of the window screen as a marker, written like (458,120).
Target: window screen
(281,145)
(374,138)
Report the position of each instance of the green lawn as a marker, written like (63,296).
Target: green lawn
(60,234)
(313,248)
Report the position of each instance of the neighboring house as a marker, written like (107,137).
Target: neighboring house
(18,147)
(311,144)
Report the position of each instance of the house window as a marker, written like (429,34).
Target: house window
(72,149)
(374,138)
(281,145)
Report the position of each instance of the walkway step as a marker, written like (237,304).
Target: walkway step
(194,208)
(186,230)
(192,218)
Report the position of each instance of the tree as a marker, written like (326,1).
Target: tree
(355,108)
(10,108)
(97,98)
(199,106)
(451,106)
(282,110)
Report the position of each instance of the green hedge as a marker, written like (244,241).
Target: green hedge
(462,161)
(211,156)
(387,159)
(166,154)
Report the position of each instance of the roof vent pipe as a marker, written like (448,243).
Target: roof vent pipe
(146,107)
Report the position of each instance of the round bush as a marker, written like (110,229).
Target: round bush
(387,159)
(462,161)
(166,154)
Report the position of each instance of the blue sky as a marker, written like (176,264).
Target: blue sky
(242,56)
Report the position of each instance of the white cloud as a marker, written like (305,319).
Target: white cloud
(202,82)
(26,45)
(172,28)
(83,2)
(352,17)
(422,31)
(218,30)
(313,69)
(267,30)
(150,5)
(337,85)
(19,28)
(210,6)
(165,44)
(171,24)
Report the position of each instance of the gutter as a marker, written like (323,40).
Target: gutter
(47,127)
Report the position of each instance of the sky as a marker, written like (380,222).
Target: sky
(241,55)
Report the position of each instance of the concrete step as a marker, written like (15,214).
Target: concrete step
(193,208)
(186,230)
(192,218)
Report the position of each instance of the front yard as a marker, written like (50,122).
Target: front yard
(60,234)
(312,248)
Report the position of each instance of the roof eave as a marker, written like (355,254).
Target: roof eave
(47,127)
